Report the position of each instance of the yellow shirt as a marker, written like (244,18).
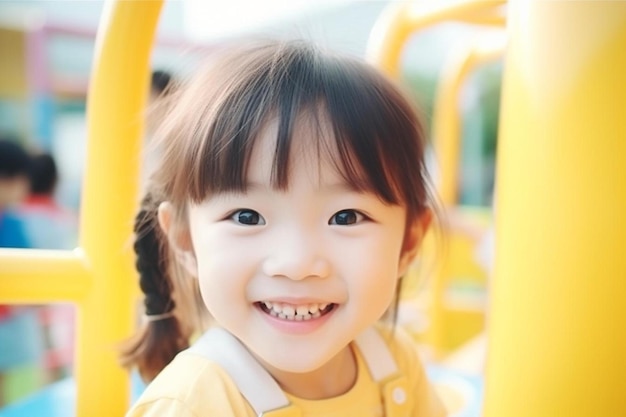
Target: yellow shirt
(194,386)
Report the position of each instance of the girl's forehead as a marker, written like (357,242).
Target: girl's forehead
(313,153)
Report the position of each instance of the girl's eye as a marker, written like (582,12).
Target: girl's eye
(248,217)
(346,218)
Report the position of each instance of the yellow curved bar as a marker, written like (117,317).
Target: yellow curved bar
(446,125)
(117,94)
(447,139)
(557,332)
(401,19)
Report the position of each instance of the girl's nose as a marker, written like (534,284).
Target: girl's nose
(296,255)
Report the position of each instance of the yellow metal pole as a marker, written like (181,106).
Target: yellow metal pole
(446,127)
(401,19)
(117,94)
(557,331)
(40,276)
(447,139)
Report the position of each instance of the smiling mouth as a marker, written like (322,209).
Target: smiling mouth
(292,312)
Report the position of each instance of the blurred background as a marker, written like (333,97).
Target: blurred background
(46,50)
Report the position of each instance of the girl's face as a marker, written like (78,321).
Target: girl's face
(297,274)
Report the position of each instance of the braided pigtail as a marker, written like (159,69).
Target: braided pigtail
(162,336)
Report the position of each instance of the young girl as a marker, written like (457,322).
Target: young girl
(293,190)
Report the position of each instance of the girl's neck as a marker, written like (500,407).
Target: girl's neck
(334,378)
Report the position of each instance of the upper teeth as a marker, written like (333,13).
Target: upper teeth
(295,312)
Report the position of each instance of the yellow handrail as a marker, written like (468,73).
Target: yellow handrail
(447,139)
(36,276)
(99,276)
(391,32)
(446,124)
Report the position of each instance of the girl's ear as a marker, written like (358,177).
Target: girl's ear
(412,240)
(179,240)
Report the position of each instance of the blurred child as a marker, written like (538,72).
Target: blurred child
(14,186)
(48,225)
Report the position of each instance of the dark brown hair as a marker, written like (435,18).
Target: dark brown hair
(211,129)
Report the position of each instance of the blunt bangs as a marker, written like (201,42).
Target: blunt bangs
(376,141)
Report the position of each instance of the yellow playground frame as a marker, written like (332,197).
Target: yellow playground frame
(557,314)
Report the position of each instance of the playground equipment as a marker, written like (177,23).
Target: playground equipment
(97,276)
(556,338)
(455,297)
(554,345)
(458,292)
